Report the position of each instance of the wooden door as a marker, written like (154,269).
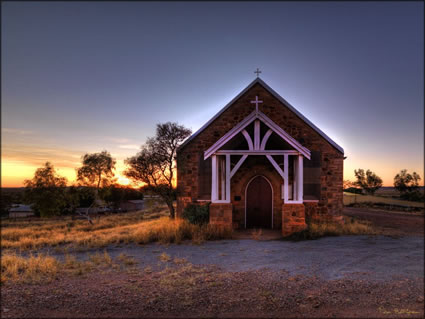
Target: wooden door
(259,203)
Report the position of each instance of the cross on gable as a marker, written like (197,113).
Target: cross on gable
(257,72)
(256,103)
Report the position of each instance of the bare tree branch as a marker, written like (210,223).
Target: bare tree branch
(154,165)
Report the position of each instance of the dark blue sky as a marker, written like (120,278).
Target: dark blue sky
(84,76)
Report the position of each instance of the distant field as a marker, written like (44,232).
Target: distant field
(350,198)
(388,191)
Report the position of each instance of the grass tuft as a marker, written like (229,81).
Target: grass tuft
(256,234)
(164,257)
(351,226)
(126,260)
(31,269)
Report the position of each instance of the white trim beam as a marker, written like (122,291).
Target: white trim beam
(256,135)
(248,139)
(222,172)
(245,122)
(228,178)
(238,164)
(276,166)
(295,182)
(213,178)
(229,135)
(285,178)
(265,139)
(300,178)
(288,138)
(268,152)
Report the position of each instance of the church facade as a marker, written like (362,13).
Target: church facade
(260,163)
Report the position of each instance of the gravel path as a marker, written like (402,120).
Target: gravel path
(373,257)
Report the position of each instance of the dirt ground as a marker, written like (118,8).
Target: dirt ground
(391,287)
(394,223)
(188,291)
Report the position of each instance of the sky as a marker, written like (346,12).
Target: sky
(82,77)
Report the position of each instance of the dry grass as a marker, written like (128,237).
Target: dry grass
(34,268)
(121,228)
(164,257)
(350,226)
(126,260)
(179,261)
(256,234)
(185,277)
(99,259)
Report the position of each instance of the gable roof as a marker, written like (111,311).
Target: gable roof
(277,96)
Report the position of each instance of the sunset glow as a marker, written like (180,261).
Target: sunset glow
(71,87)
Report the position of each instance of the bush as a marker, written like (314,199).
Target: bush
(353,190)
(413,196)
(197,214)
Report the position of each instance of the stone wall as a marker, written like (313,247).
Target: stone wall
(293,216)
(182,202)
(221,214)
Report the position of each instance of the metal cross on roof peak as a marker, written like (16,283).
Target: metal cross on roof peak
(257,72)
(256,103)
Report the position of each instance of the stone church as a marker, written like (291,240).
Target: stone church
(261,164)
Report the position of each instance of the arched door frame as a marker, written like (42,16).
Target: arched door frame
(246,190)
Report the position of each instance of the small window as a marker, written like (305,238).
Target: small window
(311,174)
(204,177)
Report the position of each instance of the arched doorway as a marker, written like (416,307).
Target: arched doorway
(259,203)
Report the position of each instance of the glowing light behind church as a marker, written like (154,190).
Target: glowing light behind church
(83,77)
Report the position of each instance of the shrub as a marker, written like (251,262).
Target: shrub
(353,190)
(413,196)
(197,214)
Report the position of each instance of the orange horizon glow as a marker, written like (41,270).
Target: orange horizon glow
(14,172)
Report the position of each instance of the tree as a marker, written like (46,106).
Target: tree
(96,171)
(6,203)
(155,164)
(79,196)
(347,184)
(46,191)
(117,194)
(407,184)
(369,181)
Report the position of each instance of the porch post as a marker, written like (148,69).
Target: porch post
(300,178)
(295,182)
(222,178)
(256,135)
(228,178)
(214,178)
(285,179)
